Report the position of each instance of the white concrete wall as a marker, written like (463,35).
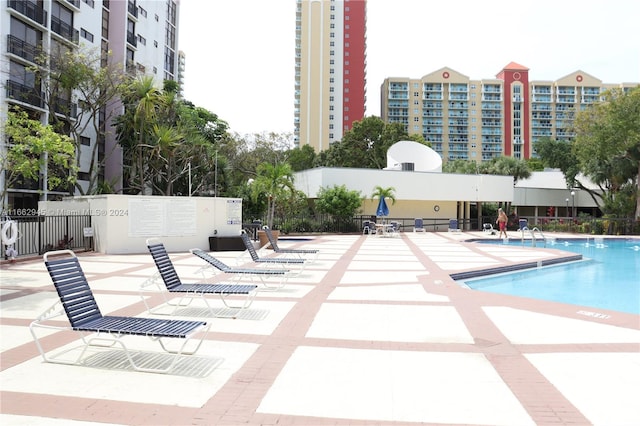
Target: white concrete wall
(409,185)
(122,223)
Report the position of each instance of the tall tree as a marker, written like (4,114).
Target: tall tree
(365,145)
(141,100)
(78,85)
(31,147)
(275,183)
(607,144)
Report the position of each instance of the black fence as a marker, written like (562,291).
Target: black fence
(39,234)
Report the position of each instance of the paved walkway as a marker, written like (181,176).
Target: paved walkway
(373,332)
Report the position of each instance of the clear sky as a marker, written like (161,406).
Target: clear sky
(240,53)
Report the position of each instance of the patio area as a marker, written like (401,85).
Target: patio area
(374,332)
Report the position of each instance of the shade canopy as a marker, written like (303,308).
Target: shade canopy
(382,210)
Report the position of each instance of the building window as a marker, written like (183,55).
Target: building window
(331,89)
(142,40)
(416,94)
(155,70)
(155,43)
(83,176)
(86,35)
(85,140)
(157,18)
(332,98)
(143,11)
(90,3)
(416,119)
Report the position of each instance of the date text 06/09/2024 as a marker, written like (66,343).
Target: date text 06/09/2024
(65,212)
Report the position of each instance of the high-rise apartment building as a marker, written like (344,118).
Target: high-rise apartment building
(482,119)
(330,70)
(141,36)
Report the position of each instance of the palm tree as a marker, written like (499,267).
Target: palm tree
(275,182)
(142,101)
(380,193)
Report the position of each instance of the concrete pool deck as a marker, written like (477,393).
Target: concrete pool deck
(374,332)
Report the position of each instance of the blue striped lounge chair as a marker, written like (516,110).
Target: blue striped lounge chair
(76,300)
(308,254)
(187,292)
(265,275)
(270,261)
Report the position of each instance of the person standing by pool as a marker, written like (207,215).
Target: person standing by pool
(502,223)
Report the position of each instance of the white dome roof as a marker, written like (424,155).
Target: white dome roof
(414,156)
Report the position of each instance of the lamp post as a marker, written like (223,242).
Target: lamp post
(567,210)
(573,204)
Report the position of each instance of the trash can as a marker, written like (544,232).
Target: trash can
(522,224)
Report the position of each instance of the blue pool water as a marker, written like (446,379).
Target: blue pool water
(608,278)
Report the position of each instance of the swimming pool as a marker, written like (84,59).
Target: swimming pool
(608,278)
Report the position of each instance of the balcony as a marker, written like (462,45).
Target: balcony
(65,107)
(64,30)
(132,8)
(132,39)
(542,98)
(433,96)
(22,49)
(30,10)
(491,89)
(24,94)
(541,90)
(491,97)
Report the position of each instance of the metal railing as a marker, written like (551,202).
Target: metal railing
(39,234)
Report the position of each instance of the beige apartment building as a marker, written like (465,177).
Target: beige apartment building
(330,70)
(482,119)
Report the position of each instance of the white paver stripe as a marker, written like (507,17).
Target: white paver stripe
(393,386)
(588,379)
(526,327)
(393,323)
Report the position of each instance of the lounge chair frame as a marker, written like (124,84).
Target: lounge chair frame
(188,292)
(265,275)
(77,302)
(418,225)
(310,255)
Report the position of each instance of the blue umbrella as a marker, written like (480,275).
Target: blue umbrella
(383,210)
